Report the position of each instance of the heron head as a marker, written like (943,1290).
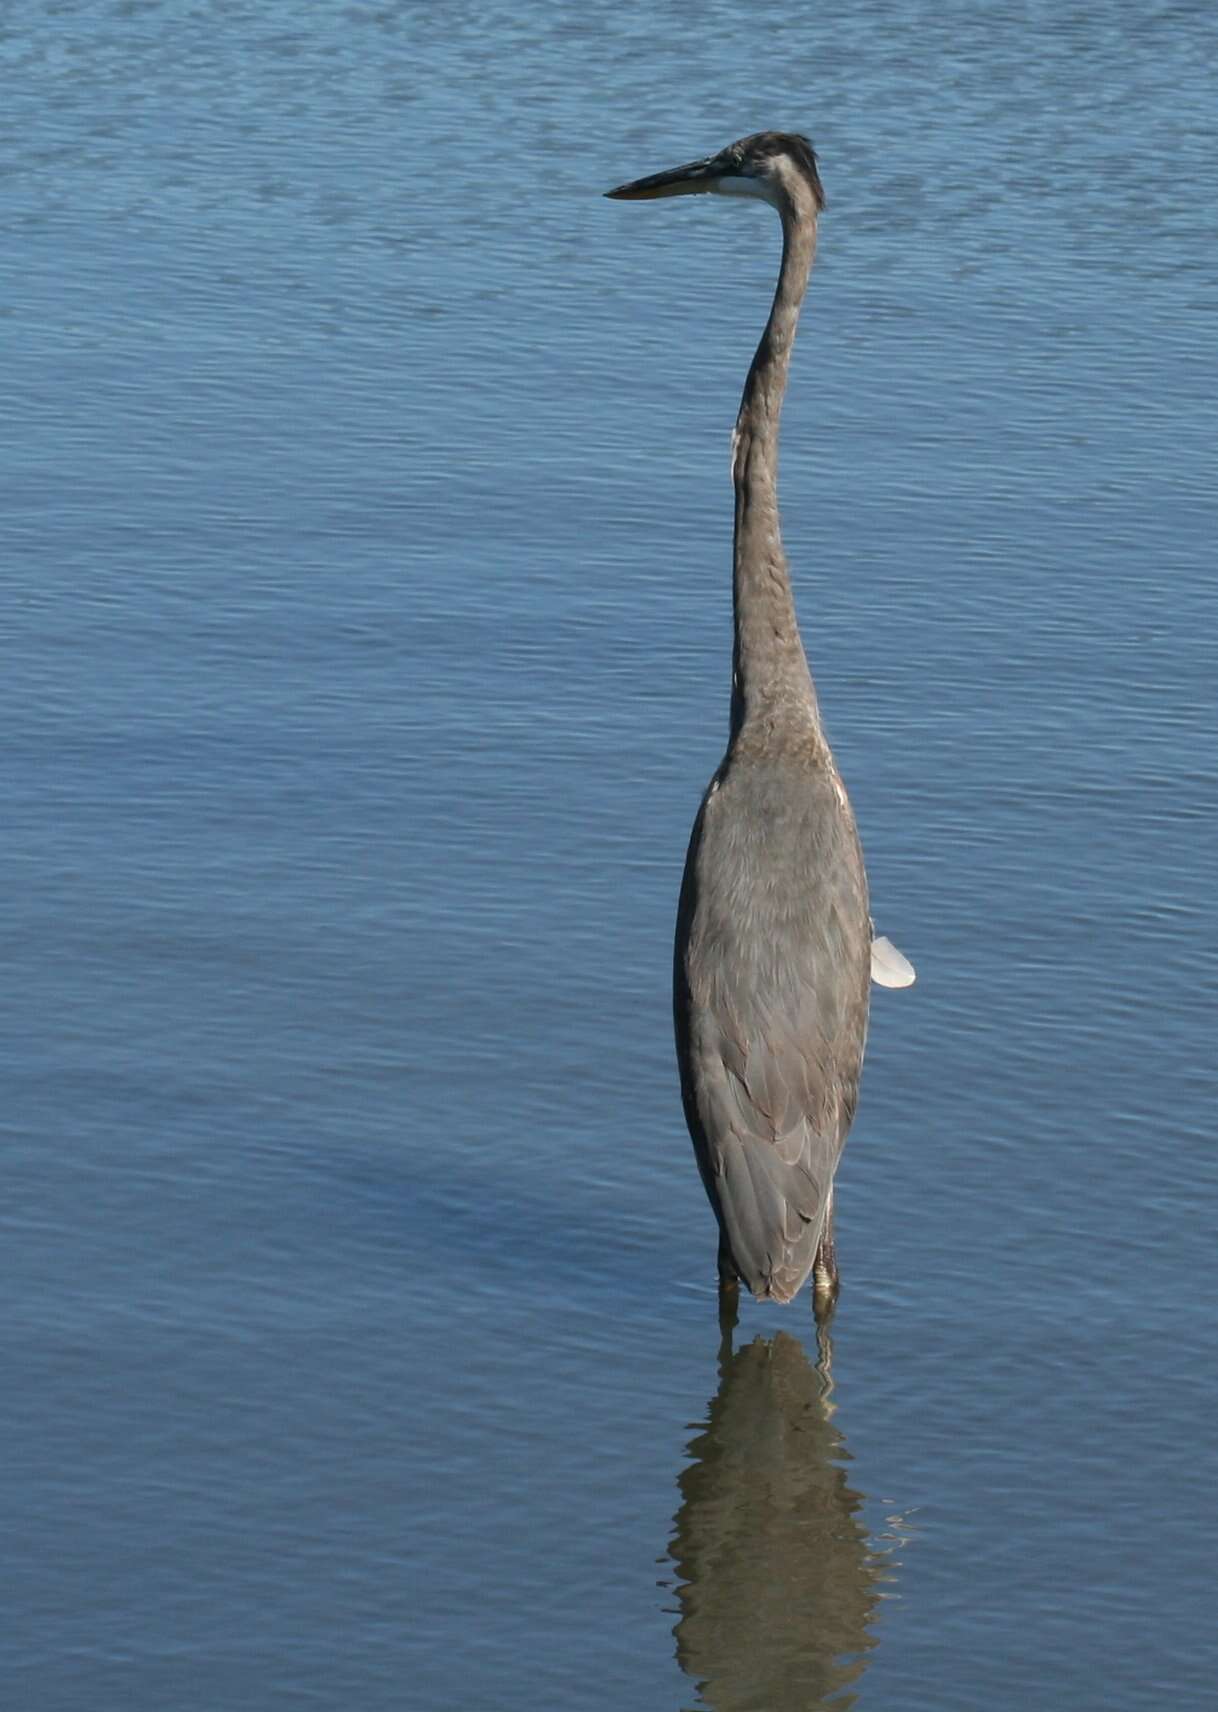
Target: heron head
(778,166)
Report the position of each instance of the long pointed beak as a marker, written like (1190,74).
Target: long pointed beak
(688,180)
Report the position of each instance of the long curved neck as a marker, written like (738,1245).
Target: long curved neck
(770,677)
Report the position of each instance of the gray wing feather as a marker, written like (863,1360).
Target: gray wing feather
(772,973)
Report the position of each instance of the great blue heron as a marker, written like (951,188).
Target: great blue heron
(774,946)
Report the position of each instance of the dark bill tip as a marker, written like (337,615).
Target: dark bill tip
(685,180)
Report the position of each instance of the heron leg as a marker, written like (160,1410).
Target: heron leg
(825,1281)
(729,1310)
(729,1286)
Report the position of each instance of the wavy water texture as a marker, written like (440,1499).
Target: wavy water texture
(365,535)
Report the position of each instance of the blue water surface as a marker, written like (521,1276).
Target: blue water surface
(365,634)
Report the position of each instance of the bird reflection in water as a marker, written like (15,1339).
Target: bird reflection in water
(778,1581)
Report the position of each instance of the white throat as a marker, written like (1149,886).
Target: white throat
(738,185)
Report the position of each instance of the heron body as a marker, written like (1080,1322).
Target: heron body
(772,968)
(774,941)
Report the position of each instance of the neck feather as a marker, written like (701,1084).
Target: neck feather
(770,677)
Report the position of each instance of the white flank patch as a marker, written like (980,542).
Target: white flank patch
(888,967)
